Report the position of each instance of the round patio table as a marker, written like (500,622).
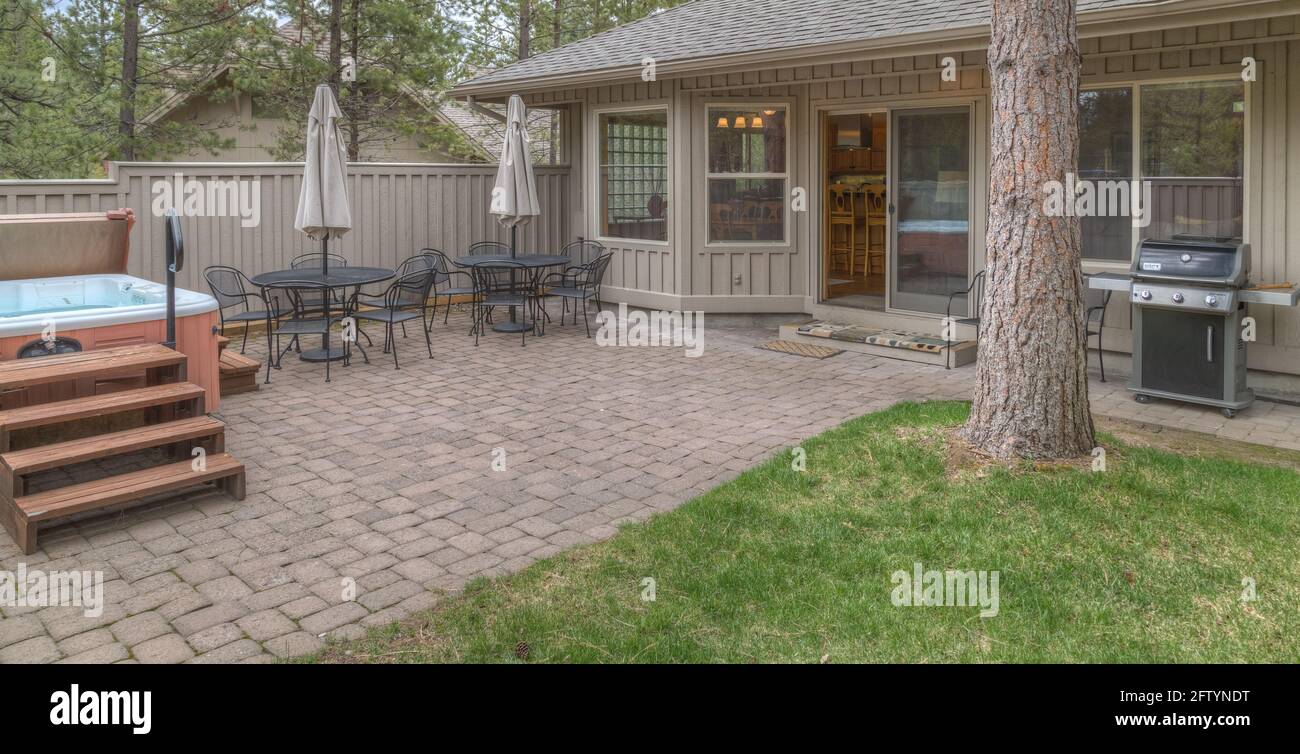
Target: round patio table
(528,261)
(337,278)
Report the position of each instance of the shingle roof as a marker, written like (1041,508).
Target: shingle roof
(711,28)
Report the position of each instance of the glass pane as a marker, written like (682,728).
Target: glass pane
(1106,154)
(1193,137)
(747,141)
(746,209)
(634,175)
(933,208)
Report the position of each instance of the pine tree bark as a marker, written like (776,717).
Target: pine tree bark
(525,29)
(130,78)
(1032,395)
(336,45)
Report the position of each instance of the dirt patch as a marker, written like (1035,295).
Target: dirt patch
(1196,444)
(964,459)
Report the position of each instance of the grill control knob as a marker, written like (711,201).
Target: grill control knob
(1211,300)
(1186,258)
(1145,295)
(1178,298)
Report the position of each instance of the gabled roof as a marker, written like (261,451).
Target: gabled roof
(709,30)
(479,129)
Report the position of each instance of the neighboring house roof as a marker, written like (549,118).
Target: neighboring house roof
(490,133)
(708,30)
(482,132)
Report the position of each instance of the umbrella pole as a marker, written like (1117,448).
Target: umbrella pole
(514,238)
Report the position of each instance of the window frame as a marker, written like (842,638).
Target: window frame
(594,203)
(786,215)
(1135,85)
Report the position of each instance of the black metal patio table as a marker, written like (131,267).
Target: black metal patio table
(337,278)
(533,262)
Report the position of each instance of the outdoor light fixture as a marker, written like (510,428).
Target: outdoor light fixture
(740,122)
(769,113)
(757,122)
(722,122)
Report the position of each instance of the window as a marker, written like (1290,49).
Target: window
(633,163)
(1190,153)
(747,174)
(1106,154)
(1193,138)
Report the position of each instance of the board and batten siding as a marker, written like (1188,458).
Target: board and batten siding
(397,209)
(771,278)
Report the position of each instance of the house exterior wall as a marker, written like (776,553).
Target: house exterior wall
(686,273)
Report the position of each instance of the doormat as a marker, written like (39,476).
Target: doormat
(801,349)
(912,341)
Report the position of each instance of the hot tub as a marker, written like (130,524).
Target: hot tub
(77,302)
(98,307)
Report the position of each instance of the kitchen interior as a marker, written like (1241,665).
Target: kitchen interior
(856,226)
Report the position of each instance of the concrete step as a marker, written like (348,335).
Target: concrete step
(962,352)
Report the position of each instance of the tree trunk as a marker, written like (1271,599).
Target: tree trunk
(130,76)
(336,45)
(525,29)
(1032,394)
(354,117)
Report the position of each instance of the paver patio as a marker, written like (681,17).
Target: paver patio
(390,483)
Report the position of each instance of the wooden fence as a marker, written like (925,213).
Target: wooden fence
(397,209)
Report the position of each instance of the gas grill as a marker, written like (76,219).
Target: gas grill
(1189,296)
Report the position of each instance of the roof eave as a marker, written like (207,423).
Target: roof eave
(1133,18)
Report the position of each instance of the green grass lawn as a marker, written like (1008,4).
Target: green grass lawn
(1141,563)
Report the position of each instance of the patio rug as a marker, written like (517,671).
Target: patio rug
(801,349)
(911,341)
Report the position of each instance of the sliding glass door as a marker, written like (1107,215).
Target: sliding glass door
(931,208)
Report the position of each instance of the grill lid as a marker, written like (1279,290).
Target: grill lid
(1193,259)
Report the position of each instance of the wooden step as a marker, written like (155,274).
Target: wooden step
(238,373)
(102,364)
(222,342)
(237,363)
(43,414)
(123,488)
(21,516)
(31,460)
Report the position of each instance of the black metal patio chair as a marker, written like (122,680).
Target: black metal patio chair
(583,251)
(488,248)
(424,261)
(448,281)
(503,284)
(312,301)
(400,302)
(577,284)
(1096,302)
(974,294)
(232,288)
(301,322)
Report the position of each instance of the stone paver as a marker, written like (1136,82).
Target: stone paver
(370,496)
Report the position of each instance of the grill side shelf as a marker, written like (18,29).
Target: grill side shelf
(1282,297)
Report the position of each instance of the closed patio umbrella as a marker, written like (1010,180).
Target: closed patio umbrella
(323,211)
(514,197)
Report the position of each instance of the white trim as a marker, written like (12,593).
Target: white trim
(786,104)
(596,221)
